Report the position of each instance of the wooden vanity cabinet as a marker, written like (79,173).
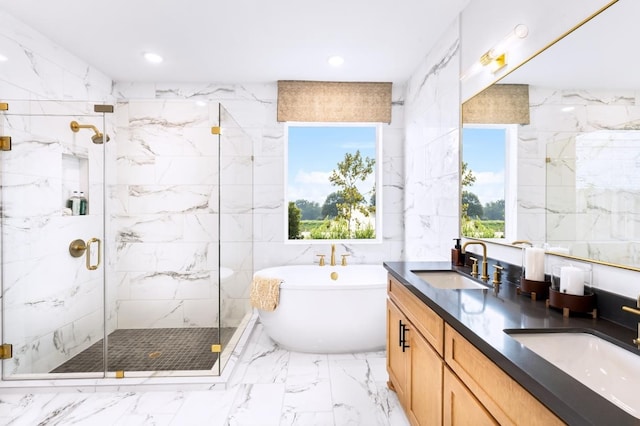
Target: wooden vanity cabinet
(503,397)
(441,378)
(415,367)
(460,407)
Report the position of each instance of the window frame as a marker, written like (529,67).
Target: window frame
(378,173)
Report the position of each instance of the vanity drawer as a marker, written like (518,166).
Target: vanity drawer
(502,396)
(425,320)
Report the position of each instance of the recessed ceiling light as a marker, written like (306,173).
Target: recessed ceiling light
(201,103)
(335,61)
(3,58)
(153,58)
(567,109)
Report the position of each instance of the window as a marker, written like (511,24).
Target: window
(332,174)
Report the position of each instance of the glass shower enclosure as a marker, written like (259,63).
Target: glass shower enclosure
(126,238)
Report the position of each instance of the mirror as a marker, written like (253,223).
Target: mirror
(577,165)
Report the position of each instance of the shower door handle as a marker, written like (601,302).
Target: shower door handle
(88,254)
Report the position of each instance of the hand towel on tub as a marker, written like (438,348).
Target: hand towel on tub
(265,293)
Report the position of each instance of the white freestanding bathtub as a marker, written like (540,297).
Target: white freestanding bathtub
(319,314)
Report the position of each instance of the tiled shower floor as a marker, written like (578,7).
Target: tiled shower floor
(151,350)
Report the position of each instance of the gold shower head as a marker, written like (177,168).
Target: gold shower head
(97,138)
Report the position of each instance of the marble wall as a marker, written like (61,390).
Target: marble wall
(52,305)
(253,107)
(180,190)
(432,165)
(166,216)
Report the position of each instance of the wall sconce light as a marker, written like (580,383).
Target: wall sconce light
(496,57)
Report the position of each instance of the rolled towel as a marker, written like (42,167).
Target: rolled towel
(265,293)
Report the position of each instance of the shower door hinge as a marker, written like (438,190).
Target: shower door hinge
(102,108)
(5,143)
(215,130)
(4,106)
(216,348)
(6,351)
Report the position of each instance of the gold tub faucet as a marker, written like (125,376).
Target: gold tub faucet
(333,255)
(485,265)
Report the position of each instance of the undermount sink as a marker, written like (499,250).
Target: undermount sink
(448,280)
(609,370)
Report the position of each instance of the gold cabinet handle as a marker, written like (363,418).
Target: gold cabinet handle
(89,265)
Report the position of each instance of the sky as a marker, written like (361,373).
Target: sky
(314,152)
(483,149)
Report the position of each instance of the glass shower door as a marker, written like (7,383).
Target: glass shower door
(236,206)
(52,234)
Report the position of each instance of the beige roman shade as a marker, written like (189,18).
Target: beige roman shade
(324,101)
(498,104)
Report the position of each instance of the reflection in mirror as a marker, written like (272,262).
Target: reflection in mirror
(483,181)
(578,160)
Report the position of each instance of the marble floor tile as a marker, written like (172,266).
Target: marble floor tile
(257,404)
(312,396)
(270,387)
(205,407)
(356,400)
(307,418)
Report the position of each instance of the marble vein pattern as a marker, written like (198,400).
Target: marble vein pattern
(270,386)
(568,193)
(431,151)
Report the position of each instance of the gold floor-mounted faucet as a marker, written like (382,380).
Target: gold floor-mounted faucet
(485,265)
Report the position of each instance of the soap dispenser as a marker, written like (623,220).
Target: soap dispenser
(457,257)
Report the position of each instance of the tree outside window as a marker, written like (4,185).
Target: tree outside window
(332,176)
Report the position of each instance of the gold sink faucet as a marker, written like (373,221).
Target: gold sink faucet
(485,265)
(636,341)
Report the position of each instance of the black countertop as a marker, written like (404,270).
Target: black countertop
(481,316)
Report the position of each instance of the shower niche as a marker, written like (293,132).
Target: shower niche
(75,178)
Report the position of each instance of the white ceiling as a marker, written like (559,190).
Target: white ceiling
(244,40)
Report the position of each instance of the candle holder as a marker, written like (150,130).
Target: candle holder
(568,292)
(532,287)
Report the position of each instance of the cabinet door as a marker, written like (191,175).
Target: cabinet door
(460,407)
(425,381)
(397,365)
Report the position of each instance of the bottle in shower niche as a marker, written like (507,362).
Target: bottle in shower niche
(82,209)
(74,201)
